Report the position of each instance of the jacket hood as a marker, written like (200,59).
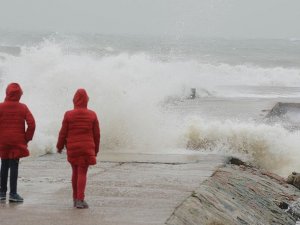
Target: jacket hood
(80,99)
(13,92)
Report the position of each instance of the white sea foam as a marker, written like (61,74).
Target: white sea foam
(126,91)
(269,146)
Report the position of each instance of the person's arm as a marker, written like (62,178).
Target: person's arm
(62,134)
(30,125)
(96,132)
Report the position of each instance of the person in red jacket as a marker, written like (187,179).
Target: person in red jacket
(14,137)
(80,133)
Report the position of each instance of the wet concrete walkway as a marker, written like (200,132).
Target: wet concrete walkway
(123,189)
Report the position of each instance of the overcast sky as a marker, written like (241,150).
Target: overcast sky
(207,18)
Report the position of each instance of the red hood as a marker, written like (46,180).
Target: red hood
(13,92)
(80,99)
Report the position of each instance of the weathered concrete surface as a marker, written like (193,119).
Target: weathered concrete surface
(285,113)
(119,192)
(281,108)
(238,195)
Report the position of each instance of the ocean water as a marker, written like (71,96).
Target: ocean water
(140,88)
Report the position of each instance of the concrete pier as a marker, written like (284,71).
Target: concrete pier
(122,189)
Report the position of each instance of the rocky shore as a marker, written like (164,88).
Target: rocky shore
(239,195)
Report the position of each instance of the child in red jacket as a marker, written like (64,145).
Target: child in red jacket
(80,133)
(14,137)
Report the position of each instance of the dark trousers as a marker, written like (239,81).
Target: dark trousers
(13,166)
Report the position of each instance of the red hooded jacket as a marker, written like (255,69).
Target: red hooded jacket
(80,132)
(13,134)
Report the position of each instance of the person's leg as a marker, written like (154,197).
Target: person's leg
(74,180)
(81,184)
(4,175)
(14,171)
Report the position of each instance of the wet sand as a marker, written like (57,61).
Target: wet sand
(124,189)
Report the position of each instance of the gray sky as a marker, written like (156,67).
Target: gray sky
(207,18)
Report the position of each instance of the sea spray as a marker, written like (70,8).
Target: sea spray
(128,92)
(121,90)
(269,146)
